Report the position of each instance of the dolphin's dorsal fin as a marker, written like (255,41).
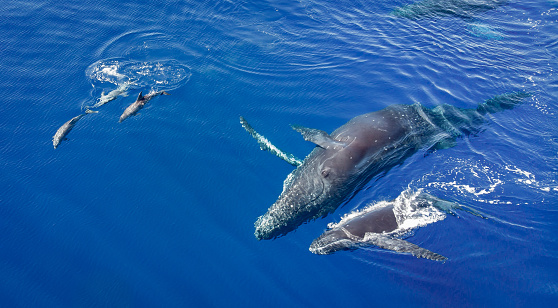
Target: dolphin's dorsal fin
(399,245)
(140,97)
(319,137)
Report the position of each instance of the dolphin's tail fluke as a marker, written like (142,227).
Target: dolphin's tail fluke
(502,102)
(164,93)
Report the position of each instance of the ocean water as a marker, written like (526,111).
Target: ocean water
(159,210)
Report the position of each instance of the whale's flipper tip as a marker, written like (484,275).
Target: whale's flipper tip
(247,127)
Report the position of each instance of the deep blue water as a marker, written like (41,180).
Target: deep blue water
(159,211)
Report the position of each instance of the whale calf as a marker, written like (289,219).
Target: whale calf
(66,128)
(138,104)
(380,224)
(368,145)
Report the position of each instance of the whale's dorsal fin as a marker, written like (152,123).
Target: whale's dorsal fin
(399,245)
(319,137)
(140,97)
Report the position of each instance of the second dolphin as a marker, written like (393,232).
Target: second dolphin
(139,103)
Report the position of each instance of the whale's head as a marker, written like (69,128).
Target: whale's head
(332,241)
(314,189)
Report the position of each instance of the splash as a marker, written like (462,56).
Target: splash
(163,74)
(407,214)
(410,217)
(480,182)
(528,179)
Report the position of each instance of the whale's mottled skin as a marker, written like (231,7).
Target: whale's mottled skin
(366,146)
(373,227)
(63,131)
(138,104)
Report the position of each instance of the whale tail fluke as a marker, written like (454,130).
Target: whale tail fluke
(502,102)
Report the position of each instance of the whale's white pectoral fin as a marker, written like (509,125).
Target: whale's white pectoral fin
(319,137)
(399,245)
(266,145)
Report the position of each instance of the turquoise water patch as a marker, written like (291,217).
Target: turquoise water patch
(484,31)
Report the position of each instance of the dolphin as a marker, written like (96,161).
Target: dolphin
(67,127)
(138,104)
(112,95)
(367,146)
(380,225)
(466,9)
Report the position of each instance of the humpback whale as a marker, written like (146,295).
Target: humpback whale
(138,104)
(380,224)
(445,8)
(67,127)
(368,145)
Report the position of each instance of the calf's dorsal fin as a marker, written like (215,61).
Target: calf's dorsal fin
(319,137)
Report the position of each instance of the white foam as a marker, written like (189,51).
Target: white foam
(408,216)
(167,74)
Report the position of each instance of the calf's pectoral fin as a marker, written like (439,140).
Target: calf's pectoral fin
(399,245)
(319,137)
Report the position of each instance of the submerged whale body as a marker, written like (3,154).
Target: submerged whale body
(366,146)
(378,225)
(447,8)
